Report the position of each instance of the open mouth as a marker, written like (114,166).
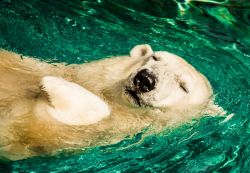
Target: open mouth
(133,95)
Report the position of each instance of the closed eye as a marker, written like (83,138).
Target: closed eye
(156,58)
(183,87)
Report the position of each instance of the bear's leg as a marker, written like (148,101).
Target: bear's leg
(72,104)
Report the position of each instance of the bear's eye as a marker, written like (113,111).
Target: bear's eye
(183,87)
(156,58)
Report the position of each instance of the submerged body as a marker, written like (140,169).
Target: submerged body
(144,89)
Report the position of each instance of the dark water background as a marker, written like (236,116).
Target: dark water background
(213,35)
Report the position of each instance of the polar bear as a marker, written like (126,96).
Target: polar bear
(46,107)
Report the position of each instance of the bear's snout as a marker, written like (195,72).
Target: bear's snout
(144,81)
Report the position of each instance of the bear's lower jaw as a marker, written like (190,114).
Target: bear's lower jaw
(133,97)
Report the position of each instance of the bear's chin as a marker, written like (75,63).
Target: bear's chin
(132,97)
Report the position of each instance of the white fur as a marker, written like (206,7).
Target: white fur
(171,70)
(87,104)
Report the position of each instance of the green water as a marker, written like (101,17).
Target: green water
(213,35)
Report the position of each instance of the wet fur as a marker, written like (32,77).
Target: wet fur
(26,130)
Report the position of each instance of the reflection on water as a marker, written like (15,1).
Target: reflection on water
(214,36)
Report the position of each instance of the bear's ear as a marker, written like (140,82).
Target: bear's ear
(141,51)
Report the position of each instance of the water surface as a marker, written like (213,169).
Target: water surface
(213,35)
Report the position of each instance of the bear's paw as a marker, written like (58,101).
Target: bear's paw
(70,103)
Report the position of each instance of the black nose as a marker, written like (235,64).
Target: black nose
(144,81)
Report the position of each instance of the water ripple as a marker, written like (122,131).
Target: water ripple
(213,35)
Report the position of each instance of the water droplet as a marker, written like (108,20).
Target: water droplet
(91,11)
(74,24)
(68,19)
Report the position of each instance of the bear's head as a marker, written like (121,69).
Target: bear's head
(165,80)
